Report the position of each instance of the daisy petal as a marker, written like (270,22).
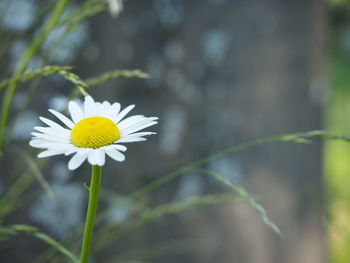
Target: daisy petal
(131,121)
(61,146)
(105,107)
(114,154)
(75,111)
(39,143)
(120,147)
(113,111)
(132,139)
(62,118)
(48,153)
(49,137)
(76,161)
(89,107)
(52,124)
(80,151)
(71,152)
(102,158)
(50,145)
(140,134)
(83,151)
(50,131)
(98,107)
(137,128)
(122,114)
(94,157)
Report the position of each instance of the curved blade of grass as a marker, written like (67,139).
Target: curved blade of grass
(107,76)
(27,56)
(107,237)
(30,74)
(300,137)
(244,194)
(8,202)
(33,231)
(87,9)
(164,248)
(77,81)
(33,166)
(103,78)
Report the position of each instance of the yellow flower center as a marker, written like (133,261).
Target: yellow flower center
(94,132)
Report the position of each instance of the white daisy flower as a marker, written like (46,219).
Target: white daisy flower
(95,129)
(115,7)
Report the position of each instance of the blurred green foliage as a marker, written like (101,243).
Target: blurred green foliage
(337,154)
(338,2)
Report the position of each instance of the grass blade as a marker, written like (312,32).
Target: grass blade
(33,231)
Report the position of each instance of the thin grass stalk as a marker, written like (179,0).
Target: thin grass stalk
(30,230)
(27,56)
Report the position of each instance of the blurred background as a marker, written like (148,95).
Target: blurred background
(222,72)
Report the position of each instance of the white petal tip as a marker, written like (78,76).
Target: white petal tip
(76,161)
(121,148)
(40,155)
(73,166)
(121,159)
(89,98)
(33,144)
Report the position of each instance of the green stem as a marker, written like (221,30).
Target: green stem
(27,56)
(90,217)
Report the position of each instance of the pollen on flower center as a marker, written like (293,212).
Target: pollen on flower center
(94,132)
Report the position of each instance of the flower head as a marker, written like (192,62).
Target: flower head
(115,7)
(95,130)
